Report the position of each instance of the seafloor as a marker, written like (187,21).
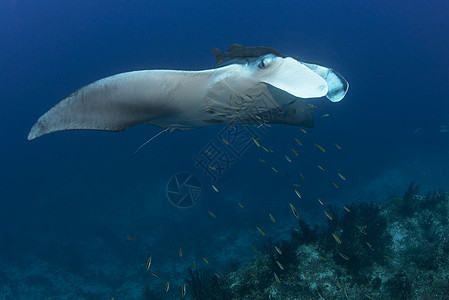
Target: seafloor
(396,250)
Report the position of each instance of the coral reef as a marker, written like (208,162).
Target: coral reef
(206,285)
(399,286)
(395,250)
(408,205)
(363,236)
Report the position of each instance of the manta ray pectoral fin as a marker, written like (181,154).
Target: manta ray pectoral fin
(293,77)
(114,103)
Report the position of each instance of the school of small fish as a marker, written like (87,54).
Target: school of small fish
(258,142)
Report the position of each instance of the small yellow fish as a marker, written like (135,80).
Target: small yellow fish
(249,96)
(148,264)
(260,230)
(369,246)
(387,257)
(215,188)
(280,265)
(347,209)
(364,286)
(344,256)
(277,278)
(241,205)
(294,211)
(336,238)
(183,290)
(208,152)
(338,146)
(298,194)
(341,176)
(299,143)
(167,286)
(296,153)
(339,284)
(180,252)
(336,185)
(328,215)
(362,230)
(303,130)
(319,147)
(212,215)
(325,116)
(278,250)
(212,168)
(266,150)
(305,276)
(321,201)
(256,142)
(302,176)
(369,297)
(252,274)
(272,218)
(225,141)
(296,229)
(274,169)
(130,238)
(205,260)
(323,258)
(255,250)
(218,276)
(296,184)
(261,160)
(154,274)
(288,158)
(321,168)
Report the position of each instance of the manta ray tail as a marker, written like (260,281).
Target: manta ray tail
(155,136)
(219,55)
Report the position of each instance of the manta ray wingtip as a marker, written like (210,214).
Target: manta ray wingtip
(35,131)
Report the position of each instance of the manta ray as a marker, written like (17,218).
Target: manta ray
(249,85)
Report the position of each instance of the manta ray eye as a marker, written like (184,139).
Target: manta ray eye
(264,63)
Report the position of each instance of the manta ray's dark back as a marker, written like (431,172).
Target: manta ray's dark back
(239,51)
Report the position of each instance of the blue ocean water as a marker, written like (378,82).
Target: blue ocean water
(70,199)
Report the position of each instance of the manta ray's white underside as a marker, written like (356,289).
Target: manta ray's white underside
(193,99)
